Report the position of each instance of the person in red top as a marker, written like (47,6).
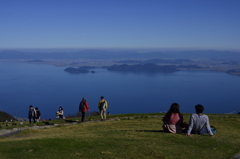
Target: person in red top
(83,107)
(173,120)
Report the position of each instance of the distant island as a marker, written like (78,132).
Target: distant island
(36,60)
(143,68)
(149,67)
(235,72)
(152,68)
(83,69)
(75,70)
(208,60)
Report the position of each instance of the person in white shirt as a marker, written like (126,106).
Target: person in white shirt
(199,123)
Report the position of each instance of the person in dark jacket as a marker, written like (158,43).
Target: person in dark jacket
(31,114)
(38,114)
(83,107)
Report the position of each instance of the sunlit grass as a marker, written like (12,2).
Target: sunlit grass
(135,138)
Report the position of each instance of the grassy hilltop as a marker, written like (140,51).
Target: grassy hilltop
(5,116)
(123,136)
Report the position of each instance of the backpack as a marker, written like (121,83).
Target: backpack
(102,105)
(82,106)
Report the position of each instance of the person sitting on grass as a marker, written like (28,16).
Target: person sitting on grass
(173,120)
(199,123)
(60,113)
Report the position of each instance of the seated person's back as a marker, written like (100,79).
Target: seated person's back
(173,120)
(199,123)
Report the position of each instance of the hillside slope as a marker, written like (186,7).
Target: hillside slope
(5,116)
(123,136)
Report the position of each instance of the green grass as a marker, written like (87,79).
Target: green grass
(135,138)
(70,120)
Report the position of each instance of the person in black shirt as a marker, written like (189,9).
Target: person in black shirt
(31,114)
(38,114)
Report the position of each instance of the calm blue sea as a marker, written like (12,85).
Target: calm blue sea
(48,87)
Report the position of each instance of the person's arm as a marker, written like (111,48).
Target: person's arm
(60,112)
(99,103)
(106,104)
(208,126)
(181,120)
(34,113)
(165,120)
(190,126)
(87,107)
(79,109)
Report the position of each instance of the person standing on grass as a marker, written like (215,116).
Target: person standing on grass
(31,114)
(173,120)
(83,107)
(199,123)
(38,114)
(102,106)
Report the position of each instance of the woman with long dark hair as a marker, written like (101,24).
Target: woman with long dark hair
(60,113)
(173,120)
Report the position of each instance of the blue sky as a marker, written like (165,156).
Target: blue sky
(163,24)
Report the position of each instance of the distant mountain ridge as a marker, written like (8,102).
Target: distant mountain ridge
(155,61)
(105,54)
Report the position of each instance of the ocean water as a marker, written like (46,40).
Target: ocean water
(48,87)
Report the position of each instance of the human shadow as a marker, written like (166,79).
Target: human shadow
(71,121)
(47,123)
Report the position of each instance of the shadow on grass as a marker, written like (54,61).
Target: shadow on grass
(145,130)
(47,123)
(149,131)
(71,121)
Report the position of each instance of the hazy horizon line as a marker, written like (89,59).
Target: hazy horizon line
(117,49)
